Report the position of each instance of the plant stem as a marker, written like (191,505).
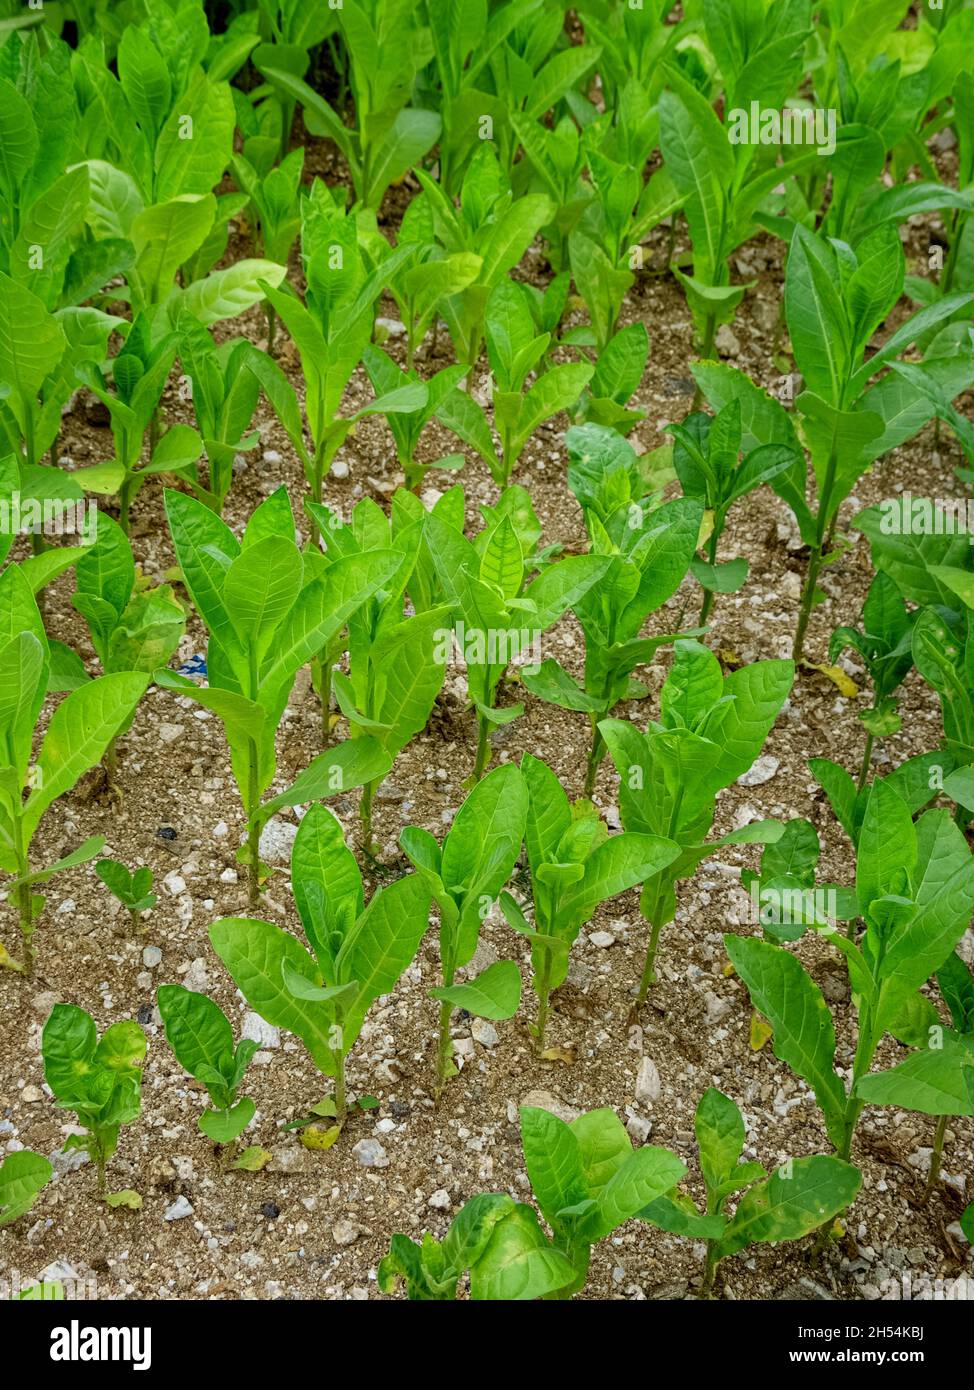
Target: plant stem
(483,747)
(933,1176)
(808,595)
(341,1104)
(709,1270)
(649,973)
(365,815)
(708,594)
(866,759)
(444,1047)
(543,991)
(595,755)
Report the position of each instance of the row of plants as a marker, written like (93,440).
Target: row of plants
(142,145)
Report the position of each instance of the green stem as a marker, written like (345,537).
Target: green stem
(253,829)
(708,594)
(808,595)
(710,1269)
(483,747)
(125,495)
(341,1103)
(649,973)
(365,815)
(866,759)
(444,1047)
(543,991)
(595,755)
(933,1176)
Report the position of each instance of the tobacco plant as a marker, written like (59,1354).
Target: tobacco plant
(132,889)
(649,550)
(100,1080)
(464,876)
(498,615)
(915,893)
(707,459)
(407,425)
(575,865)
(201,1038)
(80,730)
(357,954)
(268,611)
(796,1199)
(883,644)
(587,1181)
(711,729)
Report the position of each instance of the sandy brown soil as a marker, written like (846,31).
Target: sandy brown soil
(316,1224)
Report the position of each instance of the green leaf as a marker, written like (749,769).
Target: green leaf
(793,1004)
(22,1176)
(799,1197)
(720,1133)
(223,1126)
(495,993)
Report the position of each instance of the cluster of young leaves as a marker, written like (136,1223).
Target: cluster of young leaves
(100,1080)
(358,951)
(133,889)
(464,876)
(710,730)
(500,611)
(201,1038)
(268,608)
(800,1196)
(587,1181)
(649,549)
(80,730)
(396,663)
(575,865)
(915,893)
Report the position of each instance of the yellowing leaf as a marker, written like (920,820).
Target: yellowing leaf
(6,959)
(127,1198)
(314,1137)
(761,1031)
(253,1159)
(846,685)
(560,1054)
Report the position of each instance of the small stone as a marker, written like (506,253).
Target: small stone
(31,1094)
(258,1030)
(175,883)
(638,1129)
(271,1210)
(544,1100)
(763,769)
(727,342)
(181,1208)
(221,830)
(277,841)
(648,1088)
(339,469)
(394,327)
(168,733)
(371,1154)
(346,1232)
(196,977)
(151,957)
(484,1032)
(288,1158)
(229,876)
(440,1200)
(603,939)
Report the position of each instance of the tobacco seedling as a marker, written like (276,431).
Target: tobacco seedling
(100,1080)
(331,329)
(79,732)
(586,1179)
(490,223)
(707,459)
(268,610)
(407,425)
(796,1199)
(225,384)
(514,352)
(386,49)
(358,952)
(274,211)
(22,1176)
(649,550)
(133,626)
(575,865)
(133,890)
(884,646)
(917,782)
(618,372)
(498,616)
(396,664)
(139,374)
(915,892)
(711,729)
(464,876)
(937,1079)
(201,1038)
